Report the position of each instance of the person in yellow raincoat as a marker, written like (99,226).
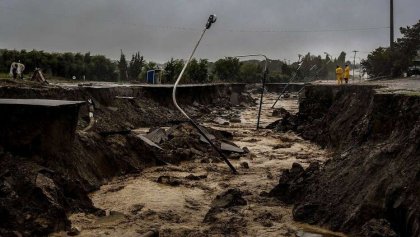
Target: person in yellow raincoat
(339,74)
(347,73)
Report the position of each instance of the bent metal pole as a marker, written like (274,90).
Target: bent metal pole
(263,81)
(287,85)
(210,21)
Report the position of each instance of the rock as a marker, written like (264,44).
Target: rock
(305,212)
(196,104)
(266,219)
(136,208)
(293,181)
(235,120)
(228,199)
(196,152)
(172,181)
(252,140)
(234,156)
(220,121)
(273,125)
(296,169)
(74,231)
(245,165)
(183,154)
(196,177)
(157,135)
(48,187)
(377,228)
(283,145)
(280,112)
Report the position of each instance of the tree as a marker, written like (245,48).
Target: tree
(385,62)
(227,69)
(146,67)
(341,59)
(135,67)
(122,66)
(378,63)
(405,49)
(197,71)
(250,73)
(172,69)
(286,70)
(61,64)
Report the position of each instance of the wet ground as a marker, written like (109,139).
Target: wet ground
(408,85)
(137,204)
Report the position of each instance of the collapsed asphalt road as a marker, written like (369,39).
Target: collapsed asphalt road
(111,180)
(200,197)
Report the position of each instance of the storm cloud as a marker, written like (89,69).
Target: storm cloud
(161,29)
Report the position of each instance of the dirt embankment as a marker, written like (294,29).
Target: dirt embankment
(372,185)
(38,190)
(127,107)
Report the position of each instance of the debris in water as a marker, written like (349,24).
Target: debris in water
(148,141)
(230,148)
(228,199)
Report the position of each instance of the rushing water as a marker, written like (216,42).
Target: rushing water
(135,204)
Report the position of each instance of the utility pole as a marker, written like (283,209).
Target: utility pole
(354,62)
(391,24)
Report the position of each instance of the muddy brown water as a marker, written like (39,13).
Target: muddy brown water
(136,204)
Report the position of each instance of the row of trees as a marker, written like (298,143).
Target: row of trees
(385,61)
(381,62)
(65,65)
(229,69)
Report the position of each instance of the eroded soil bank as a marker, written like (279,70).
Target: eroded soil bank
(371,187)
(38,190)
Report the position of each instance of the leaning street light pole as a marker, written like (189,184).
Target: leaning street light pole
(265,73)
(210,21)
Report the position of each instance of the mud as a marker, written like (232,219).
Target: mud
(38,189)
(371,185)
(176,199)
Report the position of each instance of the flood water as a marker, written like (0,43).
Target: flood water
(137,203)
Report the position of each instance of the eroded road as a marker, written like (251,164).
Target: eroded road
(137,204)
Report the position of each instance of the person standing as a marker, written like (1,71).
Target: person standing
(347,73)
(339,75)
(14,70)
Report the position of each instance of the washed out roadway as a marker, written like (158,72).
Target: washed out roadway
(137,203)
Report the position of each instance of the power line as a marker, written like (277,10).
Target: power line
(309,31)
(183,28)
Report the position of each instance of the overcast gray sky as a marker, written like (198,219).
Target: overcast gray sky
(161,29)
